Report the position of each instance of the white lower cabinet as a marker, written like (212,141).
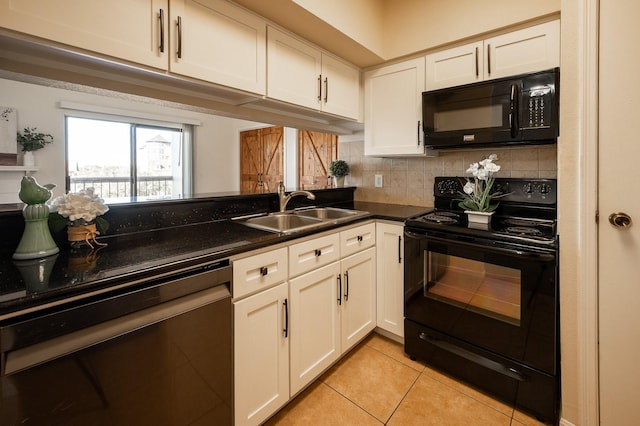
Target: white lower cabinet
(286,333)
(390,275)
(261,355)
(315,324)
(358,304)
(332,309)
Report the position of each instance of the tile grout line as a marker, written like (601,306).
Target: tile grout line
(403,398)
(351,401)
(511,416)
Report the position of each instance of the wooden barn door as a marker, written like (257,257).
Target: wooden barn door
(315,152)
(261,159)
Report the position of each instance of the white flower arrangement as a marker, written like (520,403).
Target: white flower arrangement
(80,208)
(477,194)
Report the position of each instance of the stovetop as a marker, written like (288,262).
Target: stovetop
(527,215)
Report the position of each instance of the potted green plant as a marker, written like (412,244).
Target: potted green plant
(31,140)
(478,198)
(338,169)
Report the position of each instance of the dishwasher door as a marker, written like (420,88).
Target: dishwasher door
(166,361)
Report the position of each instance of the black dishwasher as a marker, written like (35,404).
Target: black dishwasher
(157,352)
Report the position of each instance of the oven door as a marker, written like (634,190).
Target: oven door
(493,295)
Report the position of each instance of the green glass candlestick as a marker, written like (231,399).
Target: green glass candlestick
(36,239)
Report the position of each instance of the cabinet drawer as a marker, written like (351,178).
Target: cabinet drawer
(312,254)
(258,272)
(355,239)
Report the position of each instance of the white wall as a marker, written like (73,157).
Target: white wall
(216,145)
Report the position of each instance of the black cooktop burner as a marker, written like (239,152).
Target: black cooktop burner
(441,217)
(527,215)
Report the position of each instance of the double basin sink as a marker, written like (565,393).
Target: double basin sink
(302,220)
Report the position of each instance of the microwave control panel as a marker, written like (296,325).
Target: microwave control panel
(537,102)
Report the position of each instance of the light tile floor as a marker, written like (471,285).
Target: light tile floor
(377,383)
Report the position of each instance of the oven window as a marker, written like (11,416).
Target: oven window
(489,116)
(484,288)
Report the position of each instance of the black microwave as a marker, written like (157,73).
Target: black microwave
(515,110)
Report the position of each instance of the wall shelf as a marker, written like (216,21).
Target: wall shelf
(19,169)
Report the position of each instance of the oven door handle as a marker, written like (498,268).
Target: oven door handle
(485,362)
(532,255)
(39,353)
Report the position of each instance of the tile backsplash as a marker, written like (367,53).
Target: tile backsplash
(409,180)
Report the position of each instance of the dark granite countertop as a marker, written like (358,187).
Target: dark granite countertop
(141,255)
(397,212)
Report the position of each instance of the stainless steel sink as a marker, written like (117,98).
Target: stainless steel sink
(329,213)
(301,220)
(283,222)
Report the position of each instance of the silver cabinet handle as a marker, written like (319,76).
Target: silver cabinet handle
(477,65)
(326,89)
(161,25)
(320,88)
(179,25)
(346,286)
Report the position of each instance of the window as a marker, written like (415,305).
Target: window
(127,159)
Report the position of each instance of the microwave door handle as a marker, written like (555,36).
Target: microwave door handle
(513,114)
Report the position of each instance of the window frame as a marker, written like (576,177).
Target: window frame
(186,151)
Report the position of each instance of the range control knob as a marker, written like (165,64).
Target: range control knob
(528,188)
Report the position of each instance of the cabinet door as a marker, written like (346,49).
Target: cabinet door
(456,66)
(261,354)
(531,49)
(390,274)
(358,315)
(393,109)
(218,42)
(293,70)
(340,88)
(315,324)
(131,30)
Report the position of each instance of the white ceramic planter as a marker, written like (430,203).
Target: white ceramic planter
(28,159)
(483,218)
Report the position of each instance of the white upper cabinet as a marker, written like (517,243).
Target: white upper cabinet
(132,30)
(393,109)
(216,41)
(535,48)
(531,49)
(302,74)
(211,40)
(455,66)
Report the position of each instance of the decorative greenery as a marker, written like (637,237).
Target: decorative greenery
(31,140)
(338,168)
(477,194)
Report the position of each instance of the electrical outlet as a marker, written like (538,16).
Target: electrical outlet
(378,181)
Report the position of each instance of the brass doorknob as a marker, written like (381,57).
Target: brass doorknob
(620,220)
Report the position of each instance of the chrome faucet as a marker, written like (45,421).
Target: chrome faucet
(284,199)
